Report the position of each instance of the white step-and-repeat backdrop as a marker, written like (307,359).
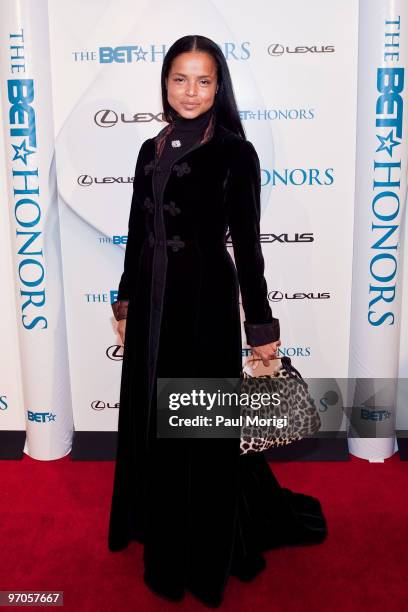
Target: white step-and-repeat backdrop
(321,92)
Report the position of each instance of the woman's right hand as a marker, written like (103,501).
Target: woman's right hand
(122,329)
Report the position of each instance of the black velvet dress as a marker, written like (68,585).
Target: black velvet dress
(202,511)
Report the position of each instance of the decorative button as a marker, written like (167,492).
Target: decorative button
(175,243)
(182,168)
(171,208)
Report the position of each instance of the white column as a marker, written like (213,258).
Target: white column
(380,199)
(34,222)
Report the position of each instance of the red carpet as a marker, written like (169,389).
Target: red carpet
(53,525)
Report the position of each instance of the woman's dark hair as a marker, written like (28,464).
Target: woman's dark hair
(226,112)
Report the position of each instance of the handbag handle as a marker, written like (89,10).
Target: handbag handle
(286,362)
(249,361)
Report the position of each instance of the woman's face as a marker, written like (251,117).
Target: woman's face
(191,83)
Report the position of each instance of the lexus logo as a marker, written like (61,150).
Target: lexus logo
(282,238)
(100,405)
(276,50)
(115,352)
(85,180)
(277,296)
(107,118)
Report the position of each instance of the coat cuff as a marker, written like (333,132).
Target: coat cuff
(120,308)
(262,333)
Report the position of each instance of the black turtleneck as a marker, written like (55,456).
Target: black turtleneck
(183,125)
(187,132)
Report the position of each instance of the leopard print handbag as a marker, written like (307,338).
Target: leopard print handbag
(294,418)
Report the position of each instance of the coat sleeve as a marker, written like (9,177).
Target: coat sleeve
(243,195)
(136,236)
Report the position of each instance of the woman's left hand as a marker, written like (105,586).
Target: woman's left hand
(265,352)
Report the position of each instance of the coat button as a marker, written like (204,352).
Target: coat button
(181,169)
(171,208)
(176,243)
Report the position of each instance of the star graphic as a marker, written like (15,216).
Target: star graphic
(51,416)
(140,54)
(384,139)
(21,151)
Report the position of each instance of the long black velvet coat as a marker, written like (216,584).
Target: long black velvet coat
(189,501)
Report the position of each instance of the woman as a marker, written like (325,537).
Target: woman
(202,511)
